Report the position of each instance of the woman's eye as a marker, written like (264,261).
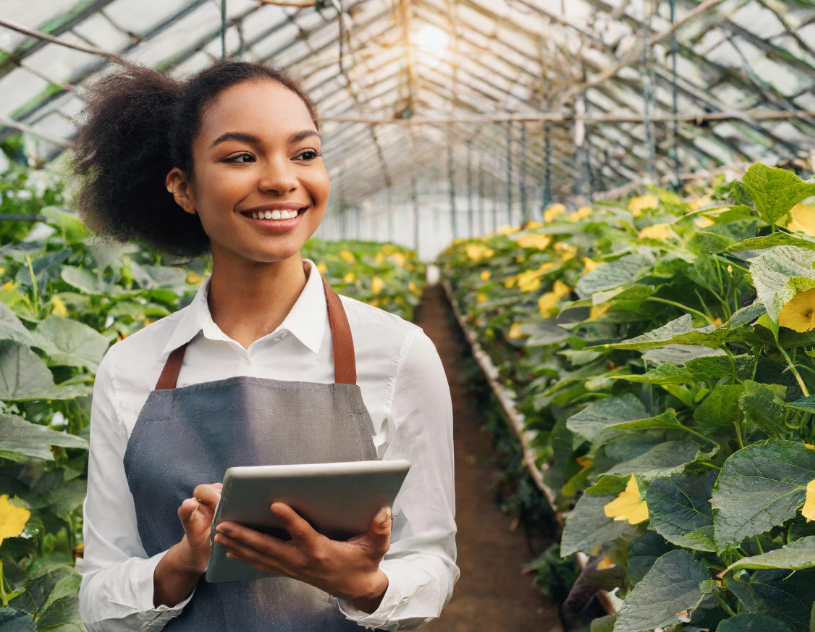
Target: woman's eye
(232,159)
(310,154)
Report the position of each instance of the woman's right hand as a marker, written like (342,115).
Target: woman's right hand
(196,515)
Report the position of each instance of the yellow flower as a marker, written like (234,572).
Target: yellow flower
(347,256)
(718,322)
(485,275)
(803,220)
(398,258)
(194,277)
(399,300)
(514,331)
(657,231)
(476,252)
(12,519)
(510,281)
(9,285)
(553,212)
(799,313)
(380,257)
(481,298)
(2,270)
(528,225)
(589,265)
(520,259)
(598,310)
(410,267)
(377,285)
(540,242)
(808,510)
(506,229)
(704,222)
(529,281)
(565,251)
(627,505)
(348,278)
(412,287)
(581,213)
(638,204)
(374,302)
(695,205)
(548,300)
(605,563)
(322,267)
(59,306)
(810,446)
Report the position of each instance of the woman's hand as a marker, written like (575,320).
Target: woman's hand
(196,515)
(348,570)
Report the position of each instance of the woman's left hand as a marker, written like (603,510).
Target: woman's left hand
(348,570)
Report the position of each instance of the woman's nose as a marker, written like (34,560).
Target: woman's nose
(279,178)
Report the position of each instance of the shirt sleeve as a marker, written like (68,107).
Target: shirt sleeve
(116,593)
(421,562)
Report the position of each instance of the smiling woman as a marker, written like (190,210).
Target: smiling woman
(267,365)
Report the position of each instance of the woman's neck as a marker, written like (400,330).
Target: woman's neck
(248,302)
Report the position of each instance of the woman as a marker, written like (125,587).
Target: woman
(266,365)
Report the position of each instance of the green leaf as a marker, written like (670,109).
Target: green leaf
(758,405)
(71,343)
(752,623)
(783,595)
(680,354)
(721,408)
(613,274)
(796,555)
(87,282)
(20,439)
(24,376)
(649,457)
(643,552)
(775,191)
(760,487)
(679,331)
(544,333)
(665,373)
(11,328)
(773,240)
(670,587)
(679,506)
(595,418)
(780,274)
(587,526)
(806,404)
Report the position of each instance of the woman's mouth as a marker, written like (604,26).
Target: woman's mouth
(277,220)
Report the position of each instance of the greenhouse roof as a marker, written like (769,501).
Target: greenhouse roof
(584,95)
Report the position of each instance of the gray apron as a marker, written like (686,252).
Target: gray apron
(187,436)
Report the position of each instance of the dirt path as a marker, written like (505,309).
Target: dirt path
(491,595)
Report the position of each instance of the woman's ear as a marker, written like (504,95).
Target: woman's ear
(179,186)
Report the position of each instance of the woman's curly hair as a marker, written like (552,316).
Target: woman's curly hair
(138,125)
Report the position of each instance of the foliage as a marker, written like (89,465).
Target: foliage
(65,296)
(663,353)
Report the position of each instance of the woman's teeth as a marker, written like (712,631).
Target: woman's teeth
(273,214)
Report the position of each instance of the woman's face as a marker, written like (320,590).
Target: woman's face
(258,147)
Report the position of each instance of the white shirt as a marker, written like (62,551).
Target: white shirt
(403,386)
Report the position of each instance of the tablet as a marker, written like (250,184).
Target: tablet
(338,499)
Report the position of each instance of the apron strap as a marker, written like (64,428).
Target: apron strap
(345,364)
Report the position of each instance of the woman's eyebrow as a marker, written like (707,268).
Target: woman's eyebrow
(254,140)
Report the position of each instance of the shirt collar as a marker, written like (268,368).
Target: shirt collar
(306,320)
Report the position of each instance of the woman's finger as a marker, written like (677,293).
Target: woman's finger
(297,526)
(251,544)
(206,494)
(264,567)
(379,533)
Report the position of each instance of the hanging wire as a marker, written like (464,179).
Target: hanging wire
(450,175)
(674,53)
(522,175)
(647,88)
(338,6)
(509,172)
(547,174)
(223,30)
(480,173)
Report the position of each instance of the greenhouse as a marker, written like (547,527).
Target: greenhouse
(559,294)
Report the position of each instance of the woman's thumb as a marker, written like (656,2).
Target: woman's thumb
(380,531)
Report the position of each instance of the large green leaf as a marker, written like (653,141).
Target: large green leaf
(680,354)
(773,240)
(679,331)
(643,552)
(784,595)
(752,623)
(669,588)
(760,487)
(88,282)
(679,509)
(775,191)
(588,527)
(11,328)
(780,274)
(20,439)
(72,343)
(613,274)
(595,418)
(796,555)
(24,376)
(759,407)
(648,457)
(721,409)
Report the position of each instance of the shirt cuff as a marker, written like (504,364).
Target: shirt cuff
(391,600)
(145,592)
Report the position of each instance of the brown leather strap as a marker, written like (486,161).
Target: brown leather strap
(345,364)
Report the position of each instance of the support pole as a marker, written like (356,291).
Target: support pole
(522,176)
(509,173)
(414,194)
(223,30)
(647,88)
(470,211)
(481,222)
(547,175)
(450,175)
(674,53)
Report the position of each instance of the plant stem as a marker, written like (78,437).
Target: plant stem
(680,306)
(738,433)
(724,604)
(34,286)
(792,368)
(698,434)
(3,586)
(758,543)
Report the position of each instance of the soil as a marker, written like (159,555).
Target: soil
(492,594)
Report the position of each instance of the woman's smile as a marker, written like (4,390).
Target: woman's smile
(275,220)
